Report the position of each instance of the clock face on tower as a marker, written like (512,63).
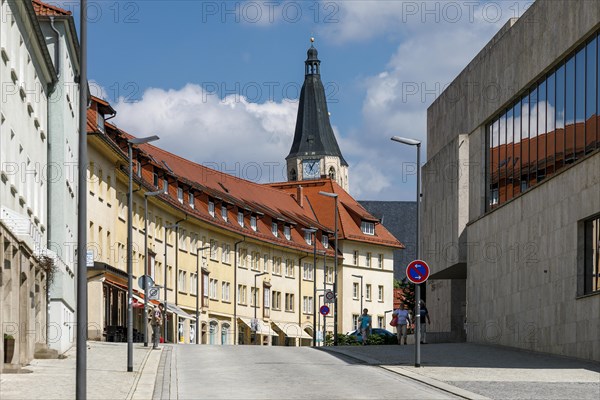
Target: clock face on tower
(310,169)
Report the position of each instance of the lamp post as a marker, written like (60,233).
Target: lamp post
(197,289)
(130,143)
(256,303)
(146,195)
(361,291)
(335,269)
(313,234)
(414,142)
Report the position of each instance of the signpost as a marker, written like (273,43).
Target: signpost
(153,293)
(324,310)
(417,272)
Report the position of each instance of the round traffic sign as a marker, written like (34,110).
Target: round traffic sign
(324,310)
(417,271)
(145,281)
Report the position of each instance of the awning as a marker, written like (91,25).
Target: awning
(172,308)
(262,329)
(291,329)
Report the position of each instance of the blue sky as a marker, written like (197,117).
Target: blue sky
(218,81)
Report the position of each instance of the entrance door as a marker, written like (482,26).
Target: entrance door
(213,333)
(225,334)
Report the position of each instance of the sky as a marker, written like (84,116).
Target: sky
(219,81)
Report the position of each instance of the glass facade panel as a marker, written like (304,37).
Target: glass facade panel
(555,123)
(590,96)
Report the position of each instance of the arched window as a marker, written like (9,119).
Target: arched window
(332,173)
(293,175)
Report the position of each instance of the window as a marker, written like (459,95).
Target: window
(194,243)
(182,239)
(211,208)
(287,232)
(551,125)
(205,285)
(193,284)
(307,305)
(355,257)
(289,302)
(165,186)
(255,297)
(240,219)
(182,281)
(325,241)
(276,300)
(592,255)
(380,261)
(380,322)
(241,294)
(329,274)
(213,289)
(227,253)
(254,261)
(289,268)
(225,291)
(253,223)
(267,297)
(155,179)
(224,254)
(368,228)
(224,214)
(191,199)
(307,272)
(308,237)
(214,249)
(355,290)
(380,293)
(180,194)
(242,258)
(277,265)
(274,229)
(368,292)
(266,263)
(369,260)
(354,321)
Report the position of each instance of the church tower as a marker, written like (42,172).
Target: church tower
(315,153)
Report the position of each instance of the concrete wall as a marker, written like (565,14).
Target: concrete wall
(523,291)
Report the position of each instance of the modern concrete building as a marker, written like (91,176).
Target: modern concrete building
(512,237)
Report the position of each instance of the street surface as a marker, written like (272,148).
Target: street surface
(253,372)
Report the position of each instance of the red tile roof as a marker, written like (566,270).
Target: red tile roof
(44,9)
(350,212)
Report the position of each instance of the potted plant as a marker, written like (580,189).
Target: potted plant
(9,348)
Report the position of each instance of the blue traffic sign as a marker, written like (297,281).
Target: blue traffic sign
(324,310)
(417,271)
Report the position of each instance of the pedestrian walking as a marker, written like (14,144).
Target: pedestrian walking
(156,320)
(424,315)
(364,322)
(403,320)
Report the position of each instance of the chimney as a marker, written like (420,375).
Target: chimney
(299,195)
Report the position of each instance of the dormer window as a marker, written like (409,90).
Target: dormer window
(100,122)
(191,199)
(180,194)
(274,229)
(368,228)
(253,223)
(224,213)
(325,241)
(241,218)
(287,232)
(211,208)
(165,186)
(155,179)
(308,237)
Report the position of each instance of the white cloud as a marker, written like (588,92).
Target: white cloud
(228,134)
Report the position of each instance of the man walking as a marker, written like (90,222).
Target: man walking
(424,315)
(364,322)
(156,320)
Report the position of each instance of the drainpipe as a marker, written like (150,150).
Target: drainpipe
(235,263)
(300,279)
(177,258)
(57,48)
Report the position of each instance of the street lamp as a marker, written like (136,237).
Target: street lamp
(361,291)
(130,143)
(335,264)
(256,303)
(197,289)
(313,234)
(413,142)
(146,195)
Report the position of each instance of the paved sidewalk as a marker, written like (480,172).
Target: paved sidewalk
(480,371)
(107,376)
